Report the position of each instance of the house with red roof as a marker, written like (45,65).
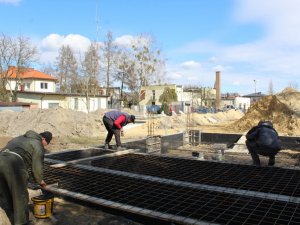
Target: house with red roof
(38,90)
(31,80)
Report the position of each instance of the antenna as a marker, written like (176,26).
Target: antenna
(97,24)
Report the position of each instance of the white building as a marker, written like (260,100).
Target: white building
(67,101)
(39,90)
(31,80)
(242,103)
(149,95)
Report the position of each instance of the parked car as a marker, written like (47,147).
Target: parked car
(228,107)
(153,109)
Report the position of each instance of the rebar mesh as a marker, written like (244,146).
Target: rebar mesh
(78,154)
(189,203)
(245,177)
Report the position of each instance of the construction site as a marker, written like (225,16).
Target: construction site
(187,168)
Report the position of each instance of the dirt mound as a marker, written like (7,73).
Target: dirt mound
(61,122)
(197,119)
(282,109)
(291,98)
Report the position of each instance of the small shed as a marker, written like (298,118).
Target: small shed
(17,106)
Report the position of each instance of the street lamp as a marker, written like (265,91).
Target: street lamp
(254,87)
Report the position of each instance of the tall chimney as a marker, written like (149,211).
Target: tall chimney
(218,89)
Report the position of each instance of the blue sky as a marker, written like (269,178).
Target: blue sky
(246,40)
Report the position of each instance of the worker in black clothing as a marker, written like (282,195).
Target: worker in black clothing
(20,154)
(263,140)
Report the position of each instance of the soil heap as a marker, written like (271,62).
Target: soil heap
(61,122)
(282,109)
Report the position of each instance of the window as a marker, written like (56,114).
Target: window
(142,95)
(53,105)
(44,85)
(153,95)
(75,103)
(27,86)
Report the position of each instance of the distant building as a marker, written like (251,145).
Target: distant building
(65,100)
(235,101)
(228,99)
(200,97)
(242,103)
(31,80)
(254,97)
(149,95)
(17,106)
(38,90)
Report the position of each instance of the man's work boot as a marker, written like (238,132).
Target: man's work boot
(256,163)
(271,161)
(120,148)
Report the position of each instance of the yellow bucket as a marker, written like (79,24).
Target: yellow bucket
(42,208)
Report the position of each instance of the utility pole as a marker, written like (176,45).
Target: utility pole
(254,87)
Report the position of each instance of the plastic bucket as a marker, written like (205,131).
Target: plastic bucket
(220,155)
(42,208)
(198,155)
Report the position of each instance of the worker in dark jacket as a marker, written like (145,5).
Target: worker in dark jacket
(263,140)
(114,121)
(20,154)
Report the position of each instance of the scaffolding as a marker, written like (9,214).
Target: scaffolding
(153,142)
(150,124)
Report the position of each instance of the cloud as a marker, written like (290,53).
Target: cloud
(129,40)
(174,76)
(190,65)
(278,18)
(77,42)
(50,45)
(52,42)
(125,40)
(12,2)
(213,59)
(236,83)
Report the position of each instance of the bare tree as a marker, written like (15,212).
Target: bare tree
(90,69)
(126,73)
(67,67)
(139,65)
(48,69)
(110,51)
(6,59)
(18,52)
(293,84)
(149,63)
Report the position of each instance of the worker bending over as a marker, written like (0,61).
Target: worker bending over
(114,121)
(20,154)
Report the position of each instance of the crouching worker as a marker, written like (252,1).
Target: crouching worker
(20,154)
(263,140)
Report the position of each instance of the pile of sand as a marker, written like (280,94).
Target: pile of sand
(197,119)
(61,122)
(282,109)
